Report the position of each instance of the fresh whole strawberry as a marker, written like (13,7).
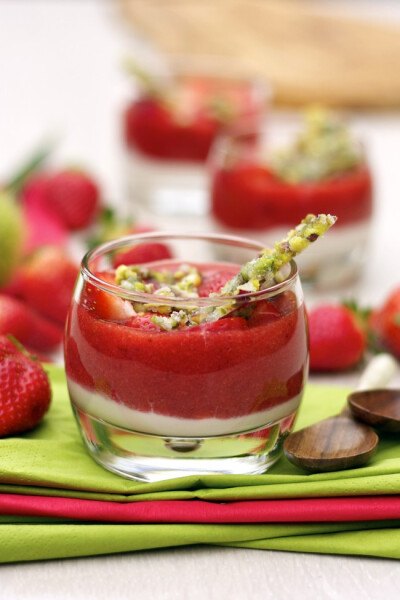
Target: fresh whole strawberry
(386,323)
(74,197)
(110,228)
(43,225)
(25,392)
(145,252)
(28,327)
(337,338)
(47,282)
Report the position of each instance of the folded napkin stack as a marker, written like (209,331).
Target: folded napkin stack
(56,502)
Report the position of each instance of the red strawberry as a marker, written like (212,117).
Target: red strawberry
(47,282)
(106,305)
(43,225)
(25,391)
(74,197)
(386,322)
(143,321)
(337,338)
(109,227)
(31,329)
(212,284)
(142,253)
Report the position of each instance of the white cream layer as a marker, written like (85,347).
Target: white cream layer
(120,415)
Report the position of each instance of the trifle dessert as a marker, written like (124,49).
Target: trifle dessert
(259,188)
(170,125)
(189,365)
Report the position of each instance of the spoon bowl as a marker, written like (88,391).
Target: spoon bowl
(331,445)
(379,408)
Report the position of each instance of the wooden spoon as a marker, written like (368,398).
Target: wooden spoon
(340,442)
(379,408)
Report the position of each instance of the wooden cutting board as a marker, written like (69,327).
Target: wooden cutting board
(308,55)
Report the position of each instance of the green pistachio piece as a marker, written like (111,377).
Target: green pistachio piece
(324,149)
(175,319)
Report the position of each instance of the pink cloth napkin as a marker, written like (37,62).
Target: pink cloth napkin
(363,508)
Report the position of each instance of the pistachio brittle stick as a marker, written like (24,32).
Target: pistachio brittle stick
(263,272)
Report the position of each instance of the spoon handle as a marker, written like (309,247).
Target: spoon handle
(381,369)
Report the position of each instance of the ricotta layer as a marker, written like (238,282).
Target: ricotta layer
(120,415)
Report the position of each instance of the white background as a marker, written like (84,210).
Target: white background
(60,76)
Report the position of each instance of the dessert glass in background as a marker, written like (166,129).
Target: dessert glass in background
(154,400)
(261,186)
(171,123)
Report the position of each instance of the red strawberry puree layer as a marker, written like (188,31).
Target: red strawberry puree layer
(248,196)
(213,371)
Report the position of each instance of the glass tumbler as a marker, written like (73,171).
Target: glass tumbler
(168,134)
(249,199)
(155,399)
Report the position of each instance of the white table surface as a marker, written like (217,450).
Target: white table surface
(59,73)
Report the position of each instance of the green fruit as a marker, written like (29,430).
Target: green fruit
(11,236)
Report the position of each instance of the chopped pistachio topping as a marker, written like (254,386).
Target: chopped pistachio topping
(175,319)
(324,149)
(259,273)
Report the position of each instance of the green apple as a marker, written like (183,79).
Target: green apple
(12,232)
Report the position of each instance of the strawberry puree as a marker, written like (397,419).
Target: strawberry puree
(226,369)
(185,129)
(248,196)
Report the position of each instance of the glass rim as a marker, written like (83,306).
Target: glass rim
(162,236)
(221,67)
(237,133)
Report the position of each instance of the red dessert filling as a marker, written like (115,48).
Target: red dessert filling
(249,196)
(183,124)
(238,365)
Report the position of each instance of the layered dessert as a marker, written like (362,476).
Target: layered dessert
(187,364)
(151,368)
(258,192)
(169,129)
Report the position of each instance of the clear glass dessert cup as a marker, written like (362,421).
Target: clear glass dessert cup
(167,137)
(248,199)
(217,397)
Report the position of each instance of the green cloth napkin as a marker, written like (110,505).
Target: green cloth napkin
(51,460)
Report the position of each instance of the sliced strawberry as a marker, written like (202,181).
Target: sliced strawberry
(106,305)
(142,253)
(143,321)
(264,312)
(212,283)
